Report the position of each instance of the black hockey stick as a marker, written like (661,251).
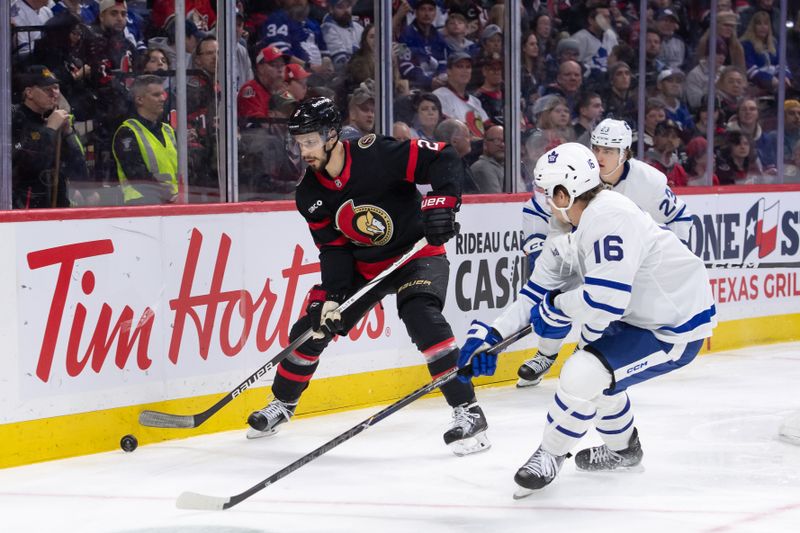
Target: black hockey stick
(194,500)
(165,420)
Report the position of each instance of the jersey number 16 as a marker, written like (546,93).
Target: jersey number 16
(612,251)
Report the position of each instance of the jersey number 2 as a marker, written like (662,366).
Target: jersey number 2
(612,251)
(423,143)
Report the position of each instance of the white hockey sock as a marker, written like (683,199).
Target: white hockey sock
(568,419)
(614,420)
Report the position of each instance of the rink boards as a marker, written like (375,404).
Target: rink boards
(111,311)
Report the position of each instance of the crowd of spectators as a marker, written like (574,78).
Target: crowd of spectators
(95,62)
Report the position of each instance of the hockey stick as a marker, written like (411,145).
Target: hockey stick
(194,500)
(165,420)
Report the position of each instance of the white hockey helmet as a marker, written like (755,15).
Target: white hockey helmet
(571,165)
(612,133)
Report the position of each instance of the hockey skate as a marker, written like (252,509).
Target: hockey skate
(267,421)
(540,470)
(468,433)
(533,370)
(603,459)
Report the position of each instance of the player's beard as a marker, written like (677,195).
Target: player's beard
(318,163)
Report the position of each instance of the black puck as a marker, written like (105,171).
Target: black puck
(128,443)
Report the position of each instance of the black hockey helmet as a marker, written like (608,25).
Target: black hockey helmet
(317,114)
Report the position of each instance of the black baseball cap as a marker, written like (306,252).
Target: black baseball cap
(39,76)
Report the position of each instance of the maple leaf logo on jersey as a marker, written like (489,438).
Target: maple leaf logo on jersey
(368,225)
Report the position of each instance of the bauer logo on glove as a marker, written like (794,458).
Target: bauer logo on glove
(439,218)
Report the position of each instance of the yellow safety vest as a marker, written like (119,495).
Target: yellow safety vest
(161,159)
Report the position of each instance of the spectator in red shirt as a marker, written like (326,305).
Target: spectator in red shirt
(253,100)
(736,163)
(696,164)
(663,155)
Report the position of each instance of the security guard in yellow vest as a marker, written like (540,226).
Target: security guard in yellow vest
(145,148)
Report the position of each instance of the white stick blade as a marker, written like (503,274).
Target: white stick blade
(201,502)
(157,419)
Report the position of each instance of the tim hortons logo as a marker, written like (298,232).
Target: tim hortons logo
(199,310)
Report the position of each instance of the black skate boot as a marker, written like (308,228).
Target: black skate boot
(468,433)
(603,459)
(266,421)
(533,370)
(540,470)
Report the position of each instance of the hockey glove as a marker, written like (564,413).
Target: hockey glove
(548,320)
(480,339)
(322,307)
(439,218)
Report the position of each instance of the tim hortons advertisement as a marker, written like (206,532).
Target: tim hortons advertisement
(121,311)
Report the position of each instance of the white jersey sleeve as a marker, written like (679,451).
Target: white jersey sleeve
(637,272)
(536,215)
(556,268)
(647,187)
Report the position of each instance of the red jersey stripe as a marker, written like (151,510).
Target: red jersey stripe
(292,376)
(412,160)
(370,270)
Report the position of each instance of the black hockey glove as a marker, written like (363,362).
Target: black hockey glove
(326,320)
(439,218)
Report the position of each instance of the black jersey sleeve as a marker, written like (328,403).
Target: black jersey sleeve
(337,266)
(425,162)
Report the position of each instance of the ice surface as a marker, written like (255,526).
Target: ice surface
(713,463)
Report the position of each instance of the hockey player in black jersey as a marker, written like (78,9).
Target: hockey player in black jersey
(363,209)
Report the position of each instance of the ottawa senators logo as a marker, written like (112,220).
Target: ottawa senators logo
(368,225)
(366,141)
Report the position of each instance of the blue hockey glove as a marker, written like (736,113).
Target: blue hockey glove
(479,337)
(548,320)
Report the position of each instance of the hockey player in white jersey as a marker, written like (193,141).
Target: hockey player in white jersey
(645,185)
(643,305)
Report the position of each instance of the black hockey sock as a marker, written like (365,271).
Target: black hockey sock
(455,391)
(291,380)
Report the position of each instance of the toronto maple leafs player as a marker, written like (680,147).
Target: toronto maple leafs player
(643,305)
(645,185)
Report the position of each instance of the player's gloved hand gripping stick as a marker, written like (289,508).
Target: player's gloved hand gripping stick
(193,500)
(165,420)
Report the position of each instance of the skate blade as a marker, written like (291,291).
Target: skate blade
(522,492)
(256,434)
(638,469)
(475,444)
(522,383)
